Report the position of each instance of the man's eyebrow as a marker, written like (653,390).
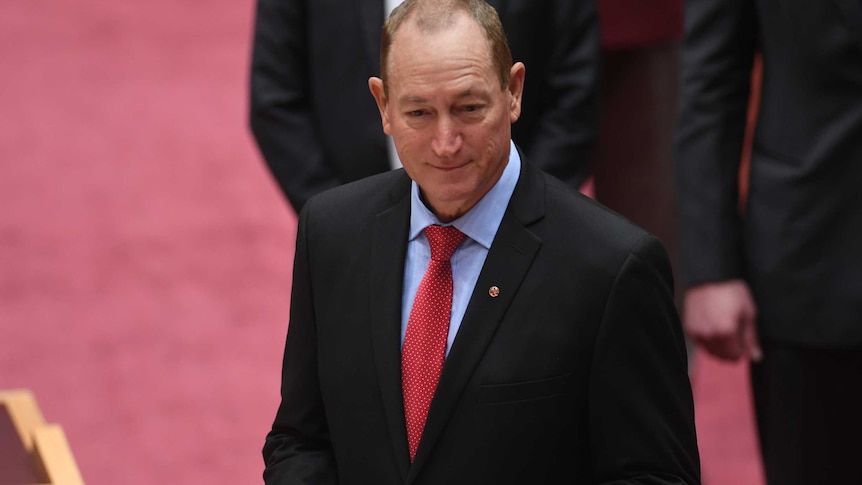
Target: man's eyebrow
(479,94)
(413,99)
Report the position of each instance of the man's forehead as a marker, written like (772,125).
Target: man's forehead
(441,77)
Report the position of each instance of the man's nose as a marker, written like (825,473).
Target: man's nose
(447,139)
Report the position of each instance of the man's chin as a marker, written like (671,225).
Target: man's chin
(455,200)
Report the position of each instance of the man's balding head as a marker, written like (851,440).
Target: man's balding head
(431,16)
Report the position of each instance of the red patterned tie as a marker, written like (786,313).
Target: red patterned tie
(427,331)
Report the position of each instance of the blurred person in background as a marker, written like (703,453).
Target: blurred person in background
(779,282)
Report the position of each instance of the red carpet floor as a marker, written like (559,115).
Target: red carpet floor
(145,254)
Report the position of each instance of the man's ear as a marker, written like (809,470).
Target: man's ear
(375,84)
(516,90)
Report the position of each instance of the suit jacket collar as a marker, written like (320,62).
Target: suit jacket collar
(508,261)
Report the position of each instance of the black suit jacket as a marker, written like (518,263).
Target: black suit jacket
(798,244)
(576,373)
(316,122)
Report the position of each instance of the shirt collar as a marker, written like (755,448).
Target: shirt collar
(481,222)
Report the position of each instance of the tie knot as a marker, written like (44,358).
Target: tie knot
(443,241)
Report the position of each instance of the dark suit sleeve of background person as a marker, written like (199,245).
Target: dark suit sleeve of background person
(717,56)
(281,118)
(297,449)
(558,41)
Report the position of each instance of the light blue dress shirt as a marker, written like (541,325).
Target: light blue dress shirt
(480,224)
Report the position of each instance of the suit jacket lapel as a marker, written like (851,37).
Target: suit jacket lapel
(508,261)
(386,280)
(371,21)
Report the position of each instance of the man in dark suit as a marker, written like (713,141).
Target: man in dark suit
(317,128)
(781,285)
(564,358)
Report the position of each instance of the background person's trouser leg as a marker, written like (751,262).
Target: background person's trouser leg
(808,404)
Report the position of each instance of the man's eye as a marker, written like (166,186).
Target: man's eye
(472,109)
(416,113)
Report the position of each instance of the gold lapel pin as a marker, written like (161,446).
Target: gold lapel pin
(494,291)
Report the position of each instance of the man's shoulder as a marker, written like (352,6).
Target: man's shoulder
(370,193)
(584,221)
(567,203)
(355,205)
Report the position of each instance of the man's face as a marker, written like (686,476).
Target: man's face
(447,113)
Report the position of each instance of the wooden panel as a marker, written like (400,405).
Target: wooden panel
(32,451)
(24,414)
(16,467)
(53,457)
